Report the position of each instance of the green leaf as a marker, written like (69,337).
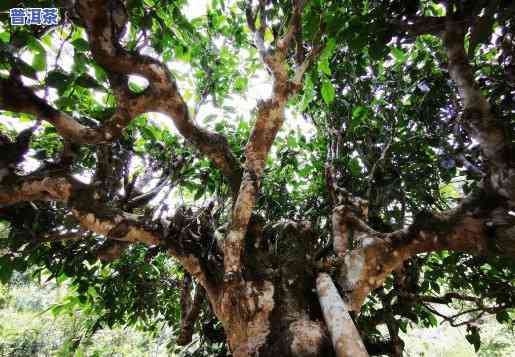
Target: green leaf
(136,88)
(323,66)
(403,325)
(328,92)
(291,141)
(61,278)
(58,310)
(473,337)
(323,63)
(269,36)
(39,61)
(503,316)
(329,48)
(399,55)
(80,44)
(4,37)
(148,133)
(100,73)
(307,97)
(198,194)
(432,320)
(449,191)
(92,291)
(6,269)
(57,79)
(359,113)
(240,84)
(354,167)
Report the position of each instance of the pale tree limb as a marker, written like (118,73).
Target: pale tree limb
(344,334)
(41,189)
(478,118)
(473,227)
(105,27)
(345,205)
(340,232)
(270,117)
(104,23)
(112,223)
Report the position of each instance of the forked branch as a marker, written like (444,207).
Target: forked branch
(472,227)
(104,23)
(270,118)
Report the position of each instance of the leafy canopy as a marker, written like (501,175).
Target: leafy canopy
(377,103)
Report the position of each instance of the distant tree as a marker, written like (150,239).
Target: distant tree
(399,187)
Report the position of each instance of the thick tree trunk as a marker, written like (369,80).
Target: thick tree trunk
(274,309)
(272,318)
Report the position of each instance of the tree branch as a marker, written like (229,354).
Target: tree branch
(344,335)
(16,97)
(270,117)
(105,27)
(41,189)
(445,299)
(108,221)
(104,22)
(375,167)
(190,310)
(346,207)
(473,227)
(478,118)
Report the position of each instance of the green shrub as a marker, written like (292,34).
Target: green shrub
(5,296)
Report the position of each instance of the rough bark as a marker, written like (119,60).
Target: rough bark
(107,221)
(104,23)
(478,227)
(190,310)
(478,118)
(267,302)
(481,225)
(274,311)
(270,117)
